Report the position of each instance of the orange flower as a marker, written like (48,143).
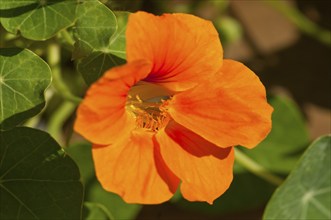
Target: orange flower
(173,113)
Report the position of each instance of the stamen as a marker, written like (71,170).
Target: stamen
(149,115)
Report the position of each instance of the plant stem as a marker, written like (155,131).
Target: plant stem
(256,168)
(100,206)
(58,119)
(32,122)
(302,22)
(54,61)
(67,37)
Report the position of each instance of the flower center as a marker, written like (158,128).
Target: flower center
(149,115)
(147,102)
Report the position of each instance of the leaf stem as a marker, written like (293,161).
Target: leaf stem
(58,118)
(256,168)
(67,37)
(54,61)
(100,206)
(302,22)
(32,122)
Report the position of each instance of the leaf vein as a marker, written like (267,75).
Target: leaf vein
(318,205)
(24,158)
(19,93)
(18,200)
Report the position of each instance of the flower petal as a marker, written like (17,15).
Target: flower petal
(184,49)
(229,110)
(205,169)
(101,117)
(134,169)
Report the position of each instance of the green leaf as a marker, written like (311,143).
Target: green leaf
(117,45)
(96,211)
(287,140)
(306,193)
(23,79)
(93,33)
(100,40)
(37,19)
(93,66)
(94,193)
(37,179)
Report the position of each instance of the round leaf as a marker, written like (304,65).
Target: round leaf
(93,66)
(37,179)
(37,19)
(23,79)
(117,42)
(91,32)
(100,40)
(306,193)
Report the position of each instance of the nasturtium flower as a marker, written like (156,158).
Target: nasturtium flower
(172,114)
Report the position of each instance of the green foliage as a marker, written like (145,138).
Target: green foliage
(93,66)
(37,180)
(81,154)
(94,193)
(230,29)
(37,19)
(23,80)
(95,211)
(306,193)
(93,33)
(114,203)
(100,40)
(117,42)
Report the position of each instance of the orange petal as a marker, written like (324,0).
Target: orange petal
(101,117)
(229,110)
(134,169)
(184,49)
(205,169)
